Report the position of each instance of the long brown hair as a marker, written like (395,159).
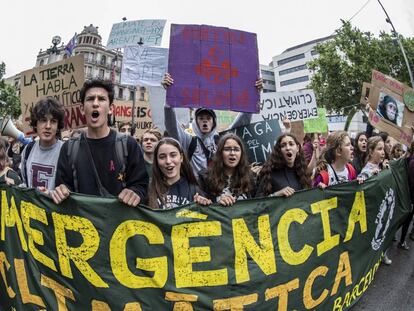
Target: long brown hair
(276,161)
(159,187)
(4,159)
(333,142)
(241,181)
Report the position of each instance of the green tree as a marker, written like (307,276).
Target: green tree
(9,101)
(346,61)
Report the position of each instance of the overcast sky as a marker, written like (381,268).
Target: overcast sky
(28,26)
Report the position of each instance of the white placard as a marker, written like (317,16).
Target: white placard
(295,105)
(144,65)
(157,95)
(148,31)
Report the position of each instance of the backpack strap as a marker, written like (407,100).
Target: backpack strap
(27,151)
(121,148)
(351,171)
(192,147)
(72,153)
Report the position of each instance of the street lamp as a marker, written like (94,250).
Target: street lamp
(397,37)
(53,50)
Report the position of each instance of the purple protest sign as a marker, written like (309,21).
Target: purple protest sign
(213,67)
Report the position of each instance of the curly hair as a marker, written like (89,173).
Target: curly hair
(241,180)
(276,161)
(333,143)
(159,187)
(44,107)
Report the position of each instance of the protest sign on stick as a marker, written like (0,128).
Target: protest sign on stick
(61,80)
(213,67)
(146,32)
(390,102)
(144,65)
(318,125)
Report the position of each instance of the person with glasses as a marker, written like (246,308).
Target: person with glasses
(285,170)
(229,177)
(149,140)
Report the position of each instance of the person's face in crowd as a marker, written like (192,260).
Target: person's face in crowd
(126,129)
(46,129)
(169,161)
(289,150)
(149,141)
(391,111)
(362,143)
(388,144)
(205,123)
(378,154)
(231,153)
(96,107)
(398,153)
(346,151)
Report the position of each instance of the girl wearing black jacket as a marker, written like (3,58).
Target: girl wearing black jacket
(228,177)
(285,170)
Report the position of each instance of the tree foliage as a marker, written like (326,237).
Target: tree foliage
(346,61)
(9,101)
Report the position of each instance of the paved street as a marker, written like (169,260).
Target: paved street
(393,287)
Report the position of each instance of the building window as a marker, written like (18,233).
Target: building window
(94,41)
(42,61)
(314,52)
(121,93)
(103,60)
(142,93)
(131,95)
(293,81)
(293,69)
(290,59)
(101,73)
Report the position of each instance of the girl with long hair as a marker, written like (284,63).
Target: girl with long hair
(375,159)
(7,174)
(285,170)
(334,167)
(228,177)
(360,151)
(173,182)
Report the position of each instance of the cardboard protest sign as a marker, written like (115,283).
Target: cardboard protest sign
(389,100)
(259,138)
(122,111)
(148,32)
(318,125)
(144,65)
(61,80)
(295,105)
(157,95)
(315,250)
(213,67)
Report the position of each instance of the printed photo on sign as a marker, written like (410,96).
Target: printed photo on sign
(390,108)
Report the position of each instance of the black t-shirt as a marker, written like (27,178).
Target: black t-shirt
(109,170)
(281,178)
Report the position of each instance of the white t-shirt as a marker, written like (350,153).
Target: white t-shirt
(41,165)
(336,177)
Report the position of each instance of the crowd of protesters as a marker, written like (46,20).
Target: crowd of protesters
(177,168)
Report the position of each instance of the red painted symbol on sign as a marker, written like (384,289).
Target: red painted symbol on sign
(213,70)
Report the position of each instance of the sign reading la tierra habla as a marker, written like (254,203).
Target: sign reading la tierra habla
(214,67)
(63,81)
